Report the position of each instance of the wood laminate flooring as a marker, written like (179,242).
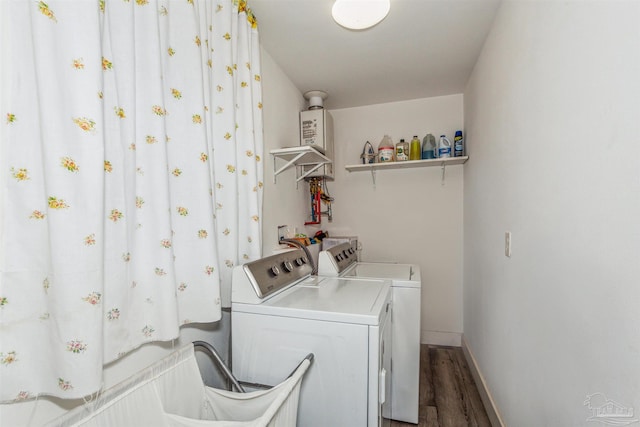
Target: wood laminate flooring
(448,395)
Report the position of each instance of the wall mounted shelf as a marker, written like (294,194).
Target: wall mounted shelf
(409,164)
(298,156)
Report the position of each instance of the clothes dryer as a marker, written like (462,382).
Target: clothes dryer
(406,288)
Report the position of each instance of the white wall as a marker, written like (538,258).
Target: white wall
(284,204)
(410,215)
(552,114)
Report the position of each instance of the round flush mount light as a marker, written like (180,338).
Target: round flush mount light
(360,14)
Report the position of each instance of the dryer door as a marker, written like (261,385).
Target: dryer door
(385,363)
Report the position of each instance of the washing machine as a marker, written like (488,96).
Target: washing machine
(280,313)
(406,288)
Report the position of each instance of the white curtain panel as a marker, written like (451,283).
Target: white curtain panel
(130,179)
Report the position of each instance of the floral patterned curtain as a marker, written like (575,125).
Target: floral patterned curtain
(130,179)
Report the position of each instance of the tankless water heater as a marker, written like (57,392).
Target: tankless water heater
(316,130)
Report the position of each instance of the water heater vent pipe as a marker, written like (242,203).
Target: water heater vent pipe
(316,98)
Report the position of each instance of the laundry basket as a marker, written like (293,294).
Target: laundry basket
(171,393)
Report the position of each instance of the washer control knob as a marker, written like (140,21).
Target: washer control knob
(299,262)
(274,270)
(351,251)
(346,254)
(288,266)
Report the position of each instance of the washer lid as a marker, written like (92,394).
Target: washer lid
(331,299)
(380,270)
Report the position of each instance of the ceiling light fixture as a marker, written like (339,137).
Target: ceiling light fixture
(360,14)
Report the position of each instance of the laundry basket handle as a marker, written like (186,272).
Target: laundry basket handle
(308,357)
(216,357)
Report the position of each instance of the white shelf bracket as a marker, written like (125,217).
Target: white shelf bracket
(309,172)
(298,157)
(443,173)
(286,166)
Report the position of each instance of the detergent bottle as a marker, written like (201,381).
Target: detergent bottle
(402,151)
(414,151)
(444,147)
(386,150)
(429,149)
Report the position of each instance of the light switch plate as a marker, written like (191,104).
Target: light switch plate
(507,244)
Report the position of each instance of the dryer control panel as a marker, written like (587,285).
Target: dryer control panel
(335,260)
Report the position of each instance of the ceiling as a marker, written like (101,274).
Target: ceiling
(423,48)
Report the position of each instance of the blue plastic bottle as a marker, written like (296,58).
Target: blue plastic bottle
(429,147)
(458,144)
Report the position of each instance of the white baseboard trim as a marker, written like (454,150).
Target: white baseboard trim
(452,339)
(485,394)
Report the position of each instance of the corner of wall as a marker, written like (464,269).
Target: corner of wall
(485,395)
(451,339)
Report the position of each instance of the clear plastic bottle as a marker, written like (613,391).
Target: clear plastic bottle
(429,149)
(414,151)
(444,147)
(402,151)
(386,150)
